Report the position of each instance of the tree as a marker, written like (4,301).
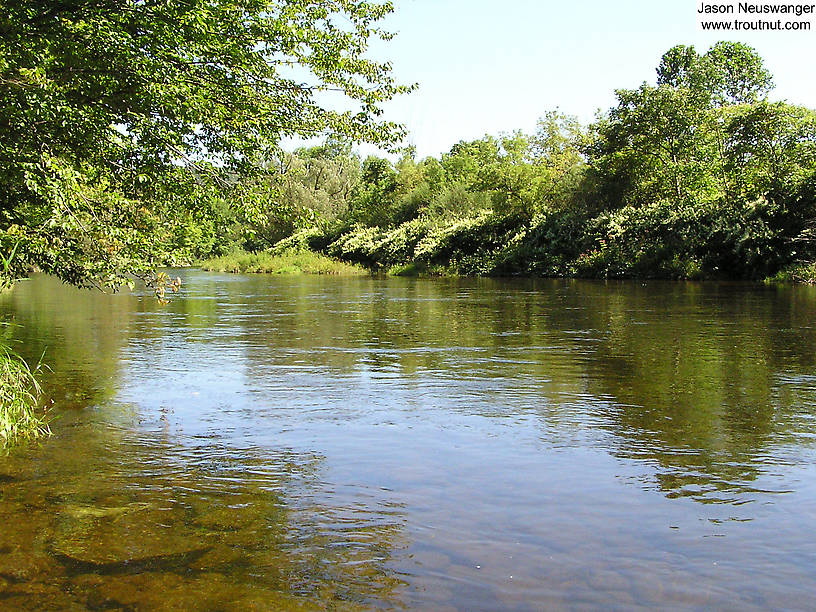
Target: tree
(667,142)
(702,169)
(313,185)
(556,152)
(737,73)
(729,73)
(374,196)
(108,109)
(680,67)
(651,148)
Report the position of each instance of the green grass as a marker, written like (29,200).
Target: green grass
(6,281)
(797,273)
(20,414)
(290,262)
(409,269)
(6,273)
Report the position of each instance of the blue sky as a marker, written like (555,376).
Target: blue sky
(488,66)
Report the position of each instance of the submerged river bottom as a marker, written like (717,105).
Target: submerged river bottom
(314,443)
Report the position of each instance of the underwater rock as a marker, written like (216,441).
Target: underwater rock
(88,511)
(123,539)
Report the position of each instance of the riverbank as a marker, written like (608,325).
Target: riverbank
(287,262)
(796,273)
(631,243)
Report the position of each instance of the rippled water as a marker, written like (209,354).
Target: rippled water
(327,443)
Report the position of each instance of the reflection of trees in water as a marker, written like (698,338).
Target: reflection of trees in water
(684,375)
(692,374)
(115,512)
(696,395)
(78,334)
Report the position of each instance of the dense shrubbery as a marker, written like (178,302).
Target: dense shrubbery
(698,176)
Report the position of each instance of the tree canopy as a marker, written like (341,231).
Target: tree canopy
(119,116)
(696,175)
(146,132)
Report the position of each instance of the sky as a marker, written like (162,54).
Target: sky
(494,66)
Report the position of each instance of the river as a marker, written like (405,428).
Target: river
(326,443)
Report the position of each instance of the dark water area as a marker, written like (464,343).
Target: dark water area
(318,443)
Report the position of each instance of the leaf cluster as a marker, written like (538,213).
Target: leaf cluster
(120,118)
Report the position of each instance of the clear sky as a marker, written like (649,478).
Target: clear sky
(492,66)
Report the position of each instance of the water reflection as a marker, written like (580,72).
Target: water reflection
(476,444)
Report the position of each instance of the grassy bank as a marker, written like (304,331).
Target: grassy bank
(287,262)
(20,414)
(797,273)
(725,241)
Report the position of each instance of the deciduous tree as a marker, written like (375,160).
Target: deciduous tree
(108,107)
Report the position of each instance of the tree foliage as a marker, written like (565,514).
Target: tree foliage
(118,114)
(145,131)
(724,175)
(697,175)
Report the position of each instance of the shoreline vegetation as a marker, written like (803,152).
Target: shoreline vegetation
(21,414)
(696,177)
(446,250)
(285,263)
(801,273)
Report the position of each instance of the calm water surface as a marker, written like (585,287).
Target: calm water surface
(326,443)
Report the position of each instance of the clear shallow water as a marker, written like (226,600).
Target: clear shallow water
(327,443)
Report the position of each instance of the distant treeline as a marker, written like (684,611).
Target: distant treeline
(697,176)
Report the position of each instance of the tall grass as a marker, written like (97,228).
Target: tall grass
(20,414)
(288,262)
(6,272)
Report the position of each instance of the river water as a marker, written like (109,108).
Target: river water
(288,443)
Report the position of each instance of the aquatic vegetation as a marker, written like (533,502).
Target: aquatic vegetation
(287,262)
(162,284)
(20,414)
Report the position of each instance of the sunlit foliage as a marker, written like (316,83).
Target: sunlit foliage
(697,176)
(123,120)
